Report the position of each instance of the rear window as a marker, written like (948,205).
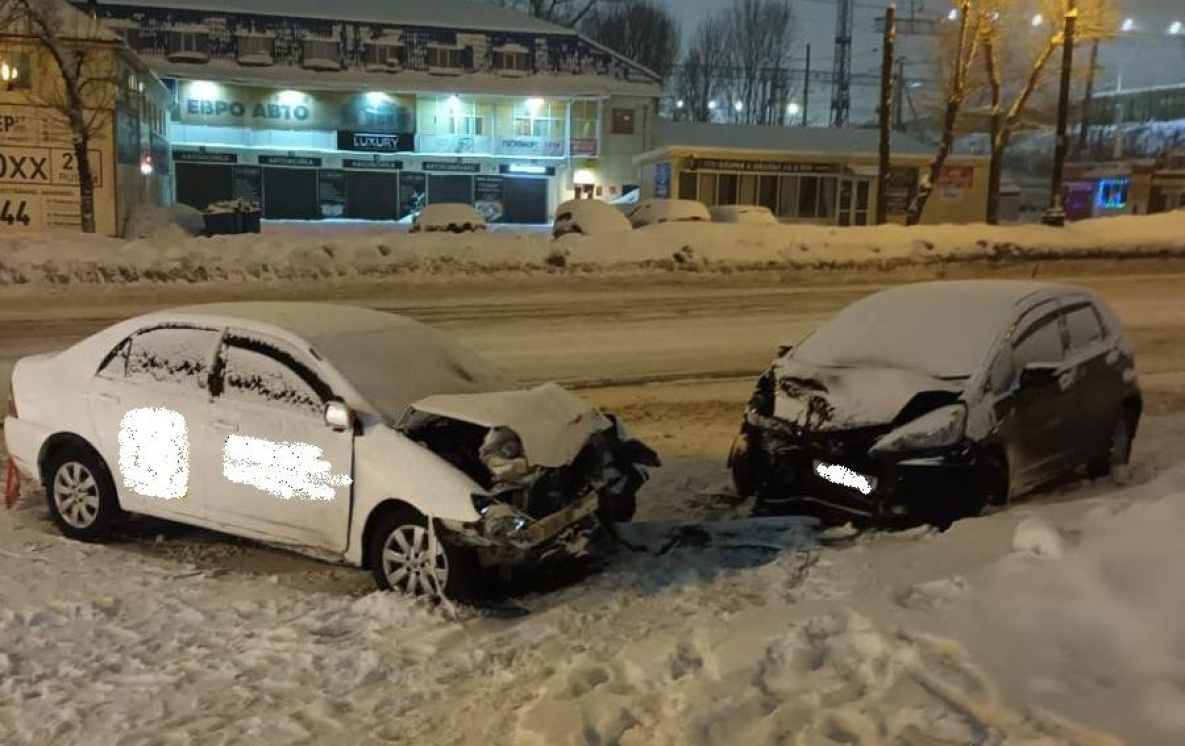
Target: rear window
(1086,328)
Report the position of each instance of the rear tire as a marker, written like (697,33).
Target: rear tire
(81,494)
(1118,454)
(398,559)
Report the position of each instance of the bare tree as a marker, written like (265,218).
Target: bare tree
(958,49)
(1008,41)
(740,58)
(703,76)
(80,81)
(566,12)
(642,30)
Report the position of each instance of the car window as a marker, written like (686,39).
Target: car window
(262,371)
(174,354)
(1039,342)
(1085,326)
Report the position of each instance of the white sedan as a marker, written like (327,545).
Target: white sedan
(347,433)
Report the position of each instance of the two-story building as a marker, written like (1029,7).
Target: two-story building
(124,115)
(367,108)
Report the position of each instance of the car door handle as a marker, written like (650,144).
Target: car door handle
(107,398)
(226,425)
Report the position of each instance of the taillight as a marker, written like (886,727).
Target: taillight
(11,410)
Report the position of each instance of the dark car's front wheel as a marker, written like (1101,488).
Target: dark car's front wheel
(401,559)
(749,466)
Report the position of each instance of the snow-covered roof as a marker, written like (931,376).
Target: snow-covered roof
(829,140)
(460,14)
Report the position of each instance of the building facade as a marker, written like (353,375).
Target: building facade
(125,110)
(367,109)
(807,175)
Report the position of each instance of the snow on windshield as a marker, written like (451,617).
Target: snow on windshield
(944,331)
(395,366)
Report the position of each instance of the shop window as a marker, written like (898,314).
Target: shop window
(707,189)
(726,189)
(623,122)
(321,54)
(1112,194)
(687,185)
(445,60)
(584,120)
(383,57)
(15,71)
(748,195)
(511,60)
(188,45)
(788,197)
(256,49)
(767,193)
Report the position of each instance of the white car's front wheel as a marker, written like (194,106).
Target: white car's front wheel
(81,494)
(401,559)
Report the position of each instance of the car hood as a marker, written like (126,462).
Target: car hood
(825,399)
(553,424)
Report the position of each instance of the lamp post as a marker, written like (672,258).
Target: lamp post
(9,74)
(1056,214)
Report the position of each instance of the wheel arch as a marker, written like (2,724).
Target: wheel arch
(60,441)
(1133,406)
(376,515)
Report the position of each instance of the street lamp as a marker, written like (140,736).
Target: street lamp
(1038,20)
(1128,24)
(793,109)
(1175,28)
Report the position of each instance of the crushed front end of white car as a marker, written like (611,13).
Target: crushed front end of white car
(551,467)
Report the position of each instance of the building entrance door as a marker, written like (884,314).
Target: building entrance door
(853,201)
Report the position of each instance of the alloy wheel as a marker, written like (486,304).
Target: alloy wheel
(407,564)
(76,495)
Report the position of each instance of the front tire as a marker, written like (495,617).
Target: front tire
(399,560)
(81,494)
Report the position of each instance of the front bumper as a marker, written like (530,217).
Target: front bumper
(890,489)
(509,542)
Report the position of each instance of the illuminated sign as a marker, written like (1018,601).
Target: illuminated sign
(527,169)
(372,142)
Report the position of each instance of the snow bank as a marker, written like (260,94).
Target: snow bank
(61,258)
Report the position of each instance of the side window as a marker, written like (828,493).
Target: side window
(115,365)
(1085,326)
(262,372)
(177,355)
(1040,342)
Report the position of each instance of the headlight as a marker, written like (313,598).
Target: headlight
(938,429)
(499,521)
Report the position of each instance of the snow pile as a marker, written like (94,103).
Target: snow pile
(591,217)
(164,223)
(315,254)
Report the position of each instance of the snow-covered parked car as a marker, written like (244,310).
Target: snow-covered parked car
(927,402)
(349,433)
(653,211)
(743,214)
(447,217)
(589,217)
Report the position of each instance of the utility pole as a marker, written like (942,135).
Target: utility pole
(1056,214)
(1088,99)
(899,96)
(841,92)
(882,173)
(806,87)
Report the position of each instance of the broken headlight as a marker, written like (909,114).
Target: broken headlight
(499,521)
(940,428)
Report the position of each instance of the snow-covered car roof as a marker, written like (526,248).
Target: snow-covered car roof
(944,329)
(444,214)
(387,361)
(590,217)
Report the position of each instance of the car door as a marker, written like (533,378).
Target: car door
(285,474)
(1096,388)
(148,402)
(1034,419)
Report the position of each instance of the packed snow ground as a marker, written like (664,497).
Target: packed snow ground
(287,253)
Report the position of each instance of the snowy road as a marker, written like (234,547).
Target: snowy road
(184,637)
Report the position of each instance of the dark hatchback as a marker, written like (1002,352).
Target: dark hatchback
(924,403)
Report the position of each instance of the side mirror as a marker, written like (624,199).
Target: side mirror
(1037,375)
(339,416)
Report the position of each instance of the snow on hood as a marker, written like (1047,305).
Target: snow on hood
(553,424)
(858,397)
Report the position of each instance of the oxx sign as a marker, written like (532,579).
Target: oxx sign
(44,166)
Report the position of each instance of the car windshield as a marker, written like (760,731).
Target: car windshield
(945,333)
(395,367)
